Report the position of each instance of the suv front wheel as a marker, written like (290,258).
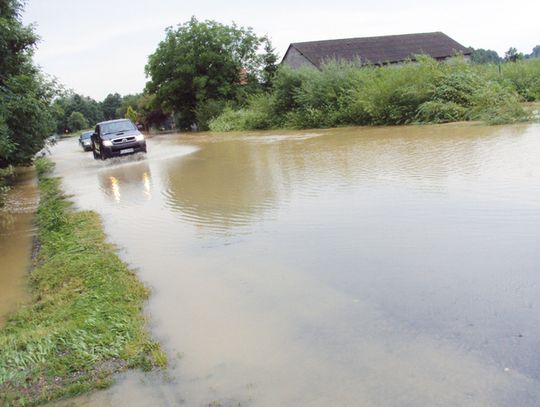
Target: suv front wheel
(96,156)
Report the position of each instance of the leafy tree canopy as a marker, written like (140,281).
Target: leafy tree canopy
(26,116)
(131,114)
(70,102)
(77,121)
(202,61)
(512,55)
(535,53)
(110,106)
(485,56)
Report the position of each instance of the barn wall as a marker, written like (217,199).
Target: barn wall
(295,59)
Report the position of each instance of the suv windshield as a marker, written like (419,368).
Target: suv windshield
(117,127)
(86,135)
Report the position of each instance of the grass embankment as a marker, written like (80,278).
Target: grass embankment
(85,320)
(425,91)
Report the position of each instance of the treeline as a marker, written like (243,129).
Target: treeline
(425,91)
(488,56)
(74,112)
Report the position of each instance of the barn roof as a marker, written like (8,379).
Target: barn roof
(385,49)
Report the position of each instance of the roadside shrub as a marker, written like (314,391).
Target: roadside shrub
(229,120)
(524,78)
(438,111)
(497,104)
(260,114)
(208,110)
(43,166)
(423,91)
(311,118)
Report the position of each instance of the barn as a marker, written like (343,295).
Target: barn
(388,49)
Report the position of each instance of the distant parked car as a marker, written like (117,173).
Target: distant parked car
(115,138)
(85,140)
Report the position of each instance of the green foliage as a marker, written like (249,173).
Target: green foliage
(70,102)
(84,323)
(535,53)
(131,114)
(512,55)
(524,77)
(485,56)
(26,118)
(77,121)
(208,110)
(43,166)
(257,117)
(229,120)
(110,106)
(425,91)
(439,111)
(270,65)
(202,61)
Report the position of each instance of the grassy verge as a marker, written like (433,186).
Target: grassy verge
(85,320)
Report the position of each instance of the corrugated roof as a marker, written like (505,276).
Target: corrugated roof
(385,49)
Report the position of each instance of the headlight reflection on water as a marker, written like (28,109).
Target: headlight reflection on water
(115,188)
(146,183)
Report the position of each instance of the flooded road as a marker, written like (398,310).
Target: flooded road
(16,234)
(341,267)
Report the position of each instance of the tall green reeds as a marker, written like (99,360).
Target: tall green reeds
(423,91)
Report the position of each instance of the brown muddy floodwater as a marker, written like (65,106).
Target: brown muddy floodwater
(393,266)
(16,234)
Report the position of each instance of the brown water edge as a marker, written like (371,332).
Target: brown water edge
(341,267)
(16,236)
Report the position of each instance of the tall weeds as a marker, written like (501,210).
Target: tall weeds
(424,91)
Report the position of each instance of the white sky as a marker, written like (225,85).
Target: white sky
(96,47)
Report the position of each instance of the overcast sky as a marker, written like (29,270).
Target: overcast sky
(96,47)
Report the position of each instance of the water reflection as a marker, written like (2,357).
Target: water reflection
(130,183)
(225,185)
(236,181)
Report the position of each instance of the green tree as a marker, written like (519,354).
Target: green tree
(535,53)
(151,114)
(131,114)
(110,106)
(512,55)
(270,67)
(485,56)
(127,101)
(70,102)
(77,121)
(202,61)
(26,116)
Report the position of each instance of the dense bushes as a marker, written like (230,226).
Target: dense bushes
(425,91)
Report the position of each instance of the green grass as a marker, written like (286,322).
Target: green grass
(85,320)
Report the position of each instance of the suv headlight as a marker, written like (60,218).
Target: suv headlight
(107,143)
(139,137)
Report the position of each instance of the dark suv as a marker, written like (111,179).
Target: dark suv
(114,138)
